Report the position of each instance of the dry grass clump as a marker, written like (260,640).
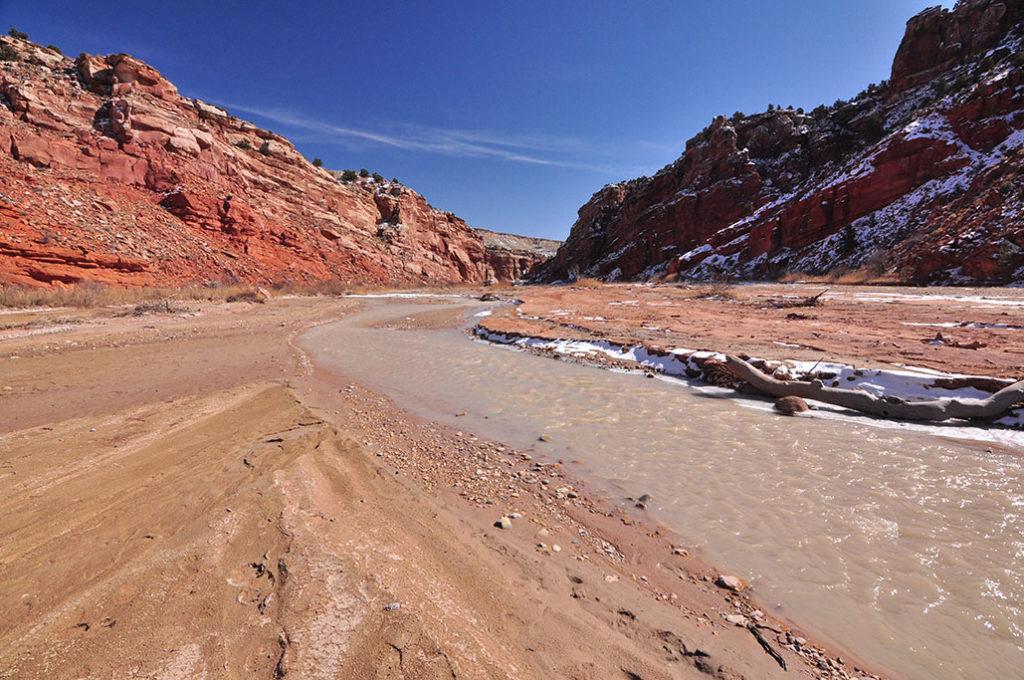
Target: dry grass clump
(82,295)
(716,290)
(868,275)
(165,306)
(90,295)
(251,296)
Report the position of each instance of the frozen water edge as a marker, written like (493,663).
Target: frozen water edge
(675,367)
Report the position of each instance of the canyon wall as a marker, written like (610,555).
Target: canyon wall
(108,174)
(917,179)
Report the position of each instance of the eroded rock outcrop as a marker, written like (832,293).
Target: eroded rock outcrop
(916,179)
(108,174)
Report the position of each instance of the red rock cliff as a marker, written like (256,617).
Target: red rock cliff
(108,174)
(889,181)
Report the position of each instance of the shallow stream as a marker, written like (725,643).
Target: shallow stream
(906,548)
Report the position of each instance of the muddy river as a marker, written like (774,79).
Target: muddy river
(907,549)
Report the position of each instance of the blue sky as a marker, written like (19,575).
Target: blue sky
(509,114)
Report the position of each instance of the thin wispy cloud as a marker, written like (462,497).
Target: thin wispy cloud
(532,150)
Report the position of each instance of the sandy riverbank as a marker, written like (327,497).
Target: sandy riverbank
(187,498)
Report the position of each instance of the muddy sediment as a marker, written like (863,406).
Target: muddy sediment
(264,519)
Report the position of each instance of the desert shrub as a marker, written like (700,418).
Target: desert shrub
(349,176)
(165,306)
(849,240)
(717,290)
(244,144)
(317,163)
(54,48)
(363,172)
(8,53)
(589,282)
(877,263)
(252,296)
(377,177)
(1010,256)
(874,129)
(15,33)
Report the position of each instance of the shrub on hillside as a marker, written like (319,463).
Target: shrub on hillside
(15,33)
(349,176)
(8,53)
(363,172)
(317,163)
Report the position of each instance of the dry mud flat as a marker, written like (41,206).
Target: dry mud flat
(185,497)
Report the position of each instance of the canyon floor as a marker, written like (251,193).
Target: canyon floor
(189,493)
(954,330)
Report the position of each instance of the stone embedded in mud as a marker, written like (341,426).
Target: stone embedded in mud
(791,405)
(733,583)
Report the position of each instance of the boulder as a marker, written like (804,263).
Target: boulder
(790,406)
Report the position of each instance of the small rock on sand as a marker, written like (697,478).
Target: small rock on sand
(733,583)
(503,523)
(791,405)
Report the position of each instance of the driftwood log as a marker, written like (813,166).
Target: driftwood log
(887,407)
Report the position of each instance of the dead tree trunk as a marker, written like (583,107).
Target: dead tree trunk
(887,407)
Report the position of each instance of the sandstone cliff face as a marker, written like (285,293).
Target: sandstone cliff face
(108,174)
(916,179)
(510,257)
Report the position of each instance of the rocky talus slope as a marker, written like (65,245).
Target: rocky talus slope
(510,257)
(916,179)
(108,174)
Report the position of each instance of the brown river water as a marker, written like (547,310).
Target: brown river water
(903,547)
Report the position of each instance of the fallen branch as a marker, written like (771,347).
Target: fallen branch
(887,407)
(812,301)
(772,652)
